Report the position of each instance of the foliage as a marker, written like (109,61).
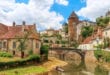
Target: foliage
(100,71)
(30,52)
(58,36)
(31,59)
(104,55)
(65,27)
(57,42)
(46,41)
(86,31)
(102,21)
(44,50)
(106,42)
(5,54)
(63,42)
(99,46)
(74,44)
(98,53)
(22,43)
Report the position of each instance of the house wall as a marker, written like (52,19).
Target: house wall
(31,44)
(86,46)
(106,33)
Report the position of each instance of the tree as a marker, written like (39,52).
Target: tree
(102,21)
(44,51)
(86,31)
(65,28)
(22,42)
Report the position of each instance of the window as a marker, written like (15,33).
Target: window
(4,44)
(14,44)
(37,45)
(0,44)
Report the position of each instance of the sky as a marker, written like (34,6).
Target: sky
(50,13)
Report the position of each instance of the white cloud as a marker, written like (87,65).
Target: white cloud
(62,2)
(36,11)
(94,9)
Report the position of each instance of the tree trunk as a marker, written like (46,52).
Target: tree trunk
(13,52)
(22,54)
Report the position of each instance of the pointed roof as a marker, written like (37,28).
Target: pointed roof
(108,13)
(73,15)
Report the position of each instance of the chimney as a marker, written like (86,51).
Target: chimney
(34,25)
(14,24)
(24,23)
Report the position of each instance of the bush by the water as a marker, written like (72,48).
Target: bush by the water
(44,51)
(101,54)
(26,61)
(5,54)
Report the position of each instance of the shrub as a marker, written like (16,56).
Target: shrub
(30,52)
(104,55)
(34,58)
(44,51)
(29,60)
(5,54)
(98,53)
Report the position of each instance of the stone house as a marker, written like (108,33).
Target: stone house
(91,42)
(106,32)
(9,36)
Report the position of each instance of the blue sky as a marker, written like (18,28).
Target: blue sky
(73,5)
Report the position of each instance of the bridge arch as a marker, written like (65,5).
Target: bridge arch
(64,51)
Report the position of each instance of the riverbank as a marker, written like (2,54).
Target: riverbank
(35,69)
(52,63)
(105,65)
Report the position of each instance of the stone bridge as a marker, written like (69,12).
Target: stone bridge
(62,51)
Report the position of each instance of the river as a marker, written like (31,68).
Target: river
(75,67)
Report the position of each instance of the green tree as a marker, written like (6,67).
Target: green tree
(44,51)
(102,21)
(86,31)
(65,28)
(22,42)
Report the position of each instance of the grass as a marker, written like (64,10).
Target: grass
(23,70)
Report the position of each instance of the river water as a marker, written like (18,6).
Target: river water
(81,68)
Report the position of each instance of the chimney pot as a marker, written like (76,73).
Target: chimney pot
(24,23)
(14,24)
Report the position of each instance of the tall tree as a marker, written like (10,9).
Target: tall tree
(86,31)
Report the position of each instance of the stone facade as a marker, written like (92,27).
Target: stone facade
(10,34)
(72,26)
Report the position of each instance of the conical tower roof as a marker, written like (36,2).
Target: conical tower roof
(73,15)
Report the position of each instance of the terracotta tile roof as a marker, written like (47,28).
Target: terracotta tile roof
(3,29)
(98,34)
(18,30)
(87,40)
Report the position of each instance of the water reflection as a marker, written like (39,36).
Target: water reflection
(81,69)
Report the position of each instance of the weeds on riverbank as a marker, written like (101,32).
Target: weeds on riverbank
(103,55)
